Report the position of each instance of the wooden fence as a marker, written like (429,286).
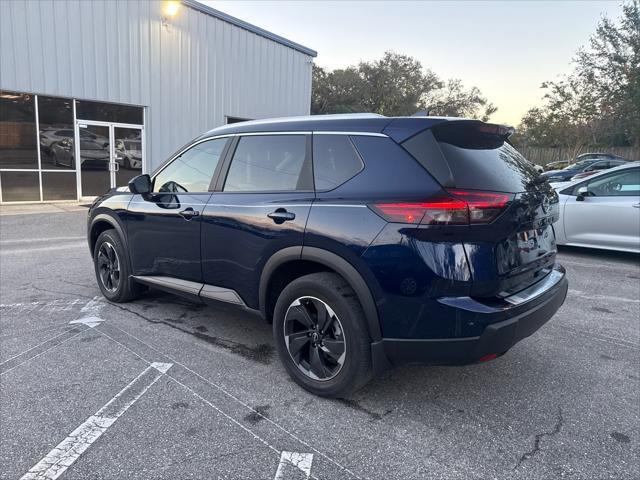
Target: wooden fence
(542,155)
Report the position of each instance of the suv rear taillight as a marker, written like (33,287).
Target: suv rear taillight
(460,207)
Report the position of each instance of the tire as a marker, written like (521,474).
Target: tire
(114,287)
(291,328)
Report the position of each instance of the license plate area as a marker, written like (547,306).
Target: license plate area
(524,250)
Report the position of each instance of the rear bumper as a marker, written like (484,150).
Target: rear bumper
(498,337)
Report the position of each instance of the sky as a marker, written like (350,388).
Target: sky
(505,48)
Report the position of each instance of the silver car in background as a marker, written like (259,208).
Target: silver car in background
(601,211)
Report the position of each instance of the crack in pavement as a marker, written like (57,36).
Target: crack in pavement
(538,438)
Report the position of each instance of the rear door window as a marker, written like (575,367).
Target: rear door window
(269,163)
(335,160)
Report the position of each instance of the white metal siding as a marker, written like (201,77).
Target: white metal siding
(189,76)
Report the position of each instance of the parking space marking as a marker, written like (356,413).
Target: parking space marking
(69,450)
(294,465)
(90,322)
(46,239)
(226,393)
(19,251)
(34,347)
(607,266)
(87,320)
(35,352)
(580,293)
(57,305)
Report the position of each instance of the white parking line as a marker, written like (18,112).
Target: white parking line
(593,296)
(68,246)
(607,266)
(31,357)
(69,450)
(29,349)
(294,465)
(231,419)
(46,239)
(58,305)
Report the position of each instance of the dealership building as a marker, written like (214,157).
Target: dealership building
(93,93)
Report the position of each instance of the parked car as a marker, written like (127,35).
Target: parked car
(602,211)
(599,156)
(367,241)
(598,167)
(583,166)
(93,154)
(49,136)
(557,165)
(129,153)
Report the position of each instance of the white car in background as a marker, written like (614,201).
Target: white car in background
(601,211)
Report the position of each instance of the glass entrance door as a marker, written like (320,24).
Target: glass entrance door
(110,155)
(94,152)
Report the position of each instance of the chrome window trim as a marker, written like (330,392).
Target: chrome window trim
(353,134)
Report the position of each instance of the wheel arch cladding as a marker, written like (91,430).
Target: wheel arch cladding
(99,224)
(324,261)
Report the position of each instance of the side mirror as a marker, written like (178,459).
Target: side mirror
(582,192)
(140,184)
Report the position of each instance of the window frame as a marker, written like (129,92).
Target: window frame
(189,146)
(308,164)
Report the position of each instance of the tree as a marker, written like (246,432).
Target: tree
(395,85)
(598,104)
(453,100)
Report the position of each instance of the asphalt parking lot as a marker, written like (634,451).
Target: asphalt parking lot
(163,388)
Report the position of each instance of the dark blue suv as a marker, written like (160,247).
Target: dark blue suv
(367,241)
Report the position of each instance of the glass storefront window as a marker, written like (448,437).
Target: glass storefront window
(18,136)
(20,186)
(55,117)
(38,160)
(108,112)
(58,186)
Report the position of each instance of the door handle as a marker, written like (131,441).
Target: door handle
(281,215)
(189,213)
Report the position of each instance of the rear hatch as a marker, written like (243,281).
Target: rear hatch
(510,243)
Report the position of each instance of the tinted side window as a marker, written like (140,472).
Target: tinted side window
(193,170)
(269,163)
(620,184)
(335,161)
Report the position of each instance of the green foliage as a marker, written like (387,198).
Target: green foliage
(598,104)
(395,85)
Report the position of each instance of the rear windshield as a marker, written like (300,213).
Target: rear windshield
(476,159)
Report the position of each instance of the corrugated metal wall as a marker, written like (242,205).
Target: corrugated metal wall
(189,75)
